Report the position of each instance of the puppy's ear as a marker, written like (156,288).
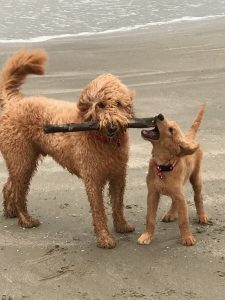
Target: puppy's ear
(187,146)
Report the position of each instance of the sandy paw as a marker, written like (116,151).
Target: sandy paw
(29,223)
(188,240)
(203,219)
(107,242)
(145,239)
(168,218)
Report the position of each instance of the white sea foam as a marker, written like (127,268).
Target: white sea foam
(116,30)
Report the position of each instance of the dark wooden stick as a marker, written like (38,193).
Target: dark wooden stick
(142,122)
(70,127)
(88,126)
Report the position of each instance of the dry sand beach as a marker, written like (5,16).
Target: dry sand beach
(172,72)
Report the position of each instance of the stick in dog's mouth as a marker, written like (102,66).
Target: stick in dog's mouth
(89,126)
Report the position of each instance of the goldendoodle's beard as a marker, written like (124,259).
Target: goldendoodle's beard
(112,121)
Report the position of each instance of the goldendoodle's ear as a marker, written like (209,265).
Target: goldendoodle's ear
(131,105)
(85,103)
(132,94)
(187,146)
(83,106)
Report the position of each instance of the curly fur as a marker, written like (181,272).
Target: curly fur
(97,161)
(173,146)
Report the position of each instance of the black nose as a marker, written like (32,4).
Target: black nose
(112,128)
(160,117)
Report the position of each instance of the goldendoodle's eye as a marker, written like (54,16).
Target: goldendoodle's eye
(100,105)
(118,103)
(171,130)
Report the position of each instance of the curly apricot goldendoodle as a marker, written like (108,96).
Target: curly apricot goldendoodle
(97,158)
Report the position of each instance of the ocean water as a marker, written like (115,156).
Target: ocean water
(40,20)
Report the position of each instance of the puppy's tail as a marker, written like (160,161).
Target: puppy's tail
(15,70)
(197,122)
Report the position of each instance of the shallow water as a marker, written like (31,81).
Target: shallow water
(39,20)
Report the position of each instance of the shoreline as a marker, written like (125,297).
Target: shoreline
(174,26)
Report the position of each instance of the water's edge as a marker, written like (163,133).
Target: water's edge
(117,30)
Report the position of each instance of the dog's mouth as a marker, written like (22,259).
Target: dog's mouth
(110,135)
(152,134)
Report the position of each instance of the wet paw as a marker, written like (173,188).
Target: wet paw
(144,239)
(107,242)
(168,218)
(203,219)
(29,222)
(188,240)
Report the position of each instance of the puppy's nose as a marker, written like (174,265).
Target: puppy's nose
(112,128)
(160,117)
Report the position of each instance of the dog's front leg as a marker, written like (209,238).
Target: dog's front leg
(95,197)
(116,194)
(152,206)
(187,238)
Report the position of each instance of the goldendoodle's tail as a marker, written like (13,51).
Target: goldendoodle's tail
(15,70)
(197,122)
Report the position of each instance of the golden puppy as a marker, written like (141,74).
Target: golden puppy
(175,159)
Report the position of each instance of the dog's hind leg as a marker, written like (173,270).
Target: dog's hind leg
(21,164)
(116,194)
(9,205)
(196,182)
(171,215)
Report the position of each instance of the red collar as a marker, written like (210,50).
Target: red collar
(107,140)
(164,168)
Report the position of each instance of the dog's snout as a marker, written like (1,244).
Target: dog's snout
(112,128)
(160,117)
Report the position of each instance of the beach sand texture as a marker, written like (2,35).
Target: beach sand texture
(172,72)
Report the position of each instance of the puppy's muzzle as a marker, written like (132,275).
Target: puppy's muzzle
(160,117)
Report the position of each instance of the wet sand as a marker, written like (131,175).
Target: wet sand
(172,72)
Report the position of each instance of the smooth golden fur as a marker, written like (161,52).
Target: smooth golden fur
(96,158)
(172,146)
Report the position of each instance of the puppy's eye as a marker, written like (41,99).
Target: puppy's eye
(100,105)
(171,130)
(118,103)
